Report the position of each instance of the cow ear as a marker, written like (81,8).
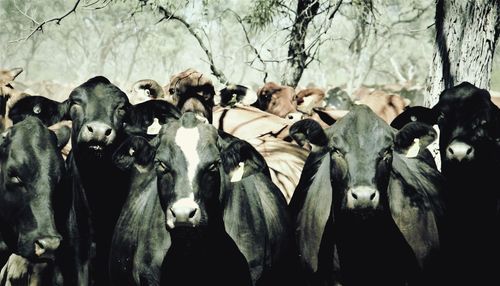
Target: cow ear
(308,131)
(413,138)
(134,152)
(415,114)
(416,205)
(239,160)
(4,140)
(311,207)
(63,134)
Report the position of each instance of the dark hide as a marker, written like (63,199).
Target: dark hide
(243,223)
(31,172)
(387,238)
(48,111)
(465,114)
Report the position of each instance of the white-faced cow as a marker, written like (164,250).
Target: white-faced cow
(365,213)
(202,210)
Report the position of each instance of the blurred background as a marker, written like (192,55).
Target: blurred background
(348,43)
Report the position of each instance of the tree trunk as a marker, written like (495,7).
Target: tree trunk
(466,36)
(297,54)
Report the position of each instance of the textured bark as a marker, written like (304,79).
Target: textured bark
(466,36)
(297,53)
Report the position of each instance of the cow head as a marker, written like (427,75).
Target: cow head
(276,99)
(356,173)
(8,95)
(144,90)
(309,98)
(235,93)
(469,125)
(192,91)
(31,169)
(193,163)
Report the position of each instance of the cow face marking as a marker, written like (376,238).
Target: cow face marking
(187,139)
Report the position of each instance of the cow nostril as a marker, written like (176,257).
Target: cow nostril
(469,151)
(372,196)
(451,150)
(108,132)
(90,128)
(354,196)
(192,213)
(172,211)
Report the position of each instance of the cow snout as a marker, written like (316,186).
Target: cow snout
(184,212)
(362,197)
(97,131)
(459,151)
(45,247)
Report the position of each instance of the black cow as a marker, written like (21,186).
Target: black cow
(48,111)
(202,204)
(102,119)
(31,172)
(365,214)
(469,125)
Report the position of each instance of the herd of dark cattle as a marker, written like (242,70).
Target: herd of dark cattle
(161,193)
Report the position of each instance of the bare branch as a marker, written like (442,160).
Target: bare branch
(255,51)
(215,71)
(56,19)
(25,14)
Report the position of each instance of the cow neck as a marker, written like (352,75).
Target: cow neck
(375,247)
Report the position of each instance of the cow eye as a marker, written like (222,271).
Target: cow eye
(337,152)
(162,167)
(213,167)
(15,180)
(121,111)
(440,117)
(387,155)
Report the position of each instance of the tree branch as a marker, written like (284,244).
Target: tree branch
(56,19)
(167,15)
(255,51)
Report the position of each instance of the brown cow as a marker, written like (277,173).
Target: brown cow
(8,95)
(310,98)
(277,99)
(191,90)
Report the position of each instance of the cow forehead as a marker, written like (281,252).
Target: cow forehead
(100,93)
(361,129)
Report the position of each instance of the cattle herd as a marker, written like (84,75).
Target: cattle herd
(183,185)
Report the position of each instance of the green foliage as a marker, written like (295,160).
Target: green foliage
(263,13)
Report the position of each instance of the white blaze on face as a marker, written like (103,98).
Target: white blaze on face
(187,140)
(434,148)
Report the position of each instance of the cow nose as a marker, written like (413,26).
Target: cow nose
(184,212)
(46,245)
(98,131)
(362,197)
(459,151)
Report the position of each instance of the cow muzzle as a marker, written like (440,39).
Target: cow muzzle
(362,197)
(183,213)
(459,151)
(45,247)
(100,134)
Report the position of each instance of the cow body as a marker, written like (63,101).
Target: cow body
(365,214)
(190,196)
(31,172)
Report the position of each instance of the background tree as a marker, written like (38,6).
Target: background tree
(466,38)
